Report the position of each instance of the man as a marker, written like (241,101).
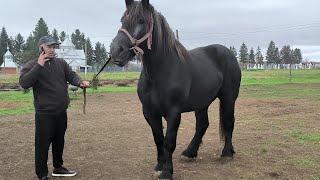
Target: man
(48,76)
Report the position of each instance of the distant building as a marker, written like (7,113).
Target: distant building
(8,66)
(74,57)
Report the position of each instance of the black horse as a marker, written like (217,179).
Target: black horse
(174,80)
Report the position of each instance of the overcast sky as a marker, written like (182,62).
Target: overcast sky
(201,22)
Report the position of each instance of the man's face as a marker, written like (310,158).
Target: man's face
(49,50)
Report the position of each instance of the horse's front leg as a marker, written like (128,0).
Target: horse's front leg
(173,121)
(155,122)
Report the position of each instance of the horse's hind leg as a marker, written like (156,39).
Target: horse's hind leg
(227,119)
(202,124)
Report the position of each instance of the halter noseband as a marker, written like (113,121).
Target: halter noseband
(136,42)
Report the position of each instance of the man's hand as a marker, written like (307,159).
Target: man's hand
(85,84)
(43,58)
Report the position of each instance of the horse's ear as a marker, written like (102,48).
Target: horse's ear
(129,2)
(145,3)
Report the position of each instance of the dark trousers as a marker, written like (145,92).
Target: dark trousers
(50,129)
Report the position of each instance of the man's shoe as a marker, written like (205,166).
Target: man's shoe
(63,172)
(44,178)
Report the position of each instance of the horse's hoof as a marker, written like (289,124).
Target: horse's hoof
(189,154)
(158,167)
(226,159)
(187,159)
(157,173)
(165,176)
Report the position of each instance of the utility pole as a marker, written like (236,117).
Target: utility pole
(177,34)
(290,71)
(86,59)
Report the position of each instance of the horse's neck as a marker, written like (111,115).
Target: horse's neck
(156,65)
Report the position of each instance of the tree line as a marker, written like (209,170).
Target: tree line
(26,50)
(273,56)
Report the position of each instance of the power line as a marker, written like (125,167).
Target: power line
(229,35)
(257,29)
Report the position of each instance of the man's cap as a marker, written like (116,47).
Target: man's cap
(47,40)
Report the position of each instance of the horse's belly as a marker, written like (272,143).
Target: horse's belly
(204,91)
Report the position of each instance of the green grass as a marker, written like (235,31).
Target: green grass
(305,137)
(9,78)
(23,102)
(112,75)
(315,178)
(305,162)
(310,91)
(262,84)
(280,77)
(113,89)
(248,77)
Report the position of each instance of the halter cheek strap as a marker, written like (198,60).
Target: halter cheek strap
(136,42)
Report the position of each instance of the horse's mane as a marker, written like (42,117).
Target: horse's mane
(164,40)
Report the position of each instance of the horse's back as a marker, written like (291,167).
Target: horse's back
(218,54)
(227,64)
(213,69)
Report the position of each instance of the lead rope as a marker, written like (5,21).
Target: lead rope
(84,90)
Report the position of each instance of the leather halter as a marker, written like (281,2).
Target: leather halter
(136,42)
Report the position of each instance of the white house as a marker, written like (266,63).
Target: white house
(74,57)
(8,66)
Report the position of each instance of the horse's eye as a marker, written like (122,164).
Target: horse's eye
(141,21)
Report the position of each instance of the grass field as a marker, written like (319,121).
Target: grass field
(14,78)
(305,84)
(280,77)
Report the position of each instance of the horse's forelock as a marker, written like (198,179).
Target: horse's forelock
(137,10)
(164,40)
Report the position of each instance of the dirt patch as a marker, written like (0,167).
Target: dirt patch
(9,105)
(9,86)
(113,141)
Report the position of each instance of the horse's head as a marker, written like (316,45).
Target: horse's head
(135,34)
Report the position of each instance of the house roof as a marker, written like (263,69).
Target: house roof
(8,60)
(67,51)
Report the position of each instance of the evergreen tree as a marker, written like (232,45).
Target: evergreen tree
(4,41)
(18,48)
(276,56)
(19,43)
(285,55)
(31,50)
(296,55)
(271,53)
(243,54)
(252,56)
(40,30)
(259,56)
(234,51)
(55,35)
(89,53)
(62,36)
(78,39)
(100,55)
